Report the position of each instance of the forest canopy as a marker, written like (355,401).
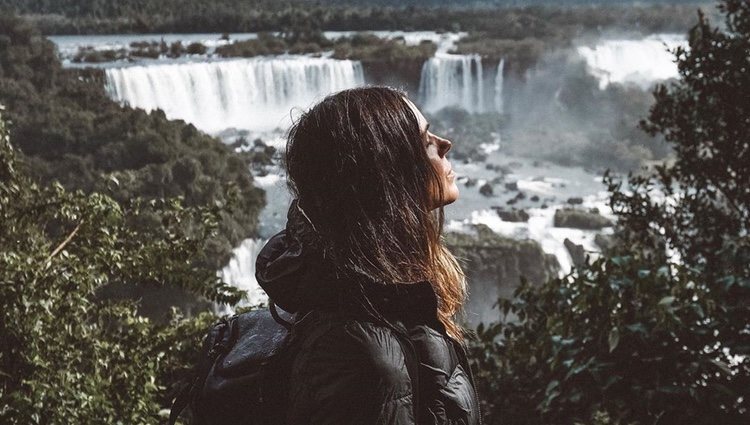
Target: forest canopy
(97,17)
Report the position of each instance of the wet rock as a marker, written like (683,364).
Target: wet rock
(486,190)
(471,182)
(605,242)
(577,253)
(544,206)
(511,186)
(512,215)
(476,156)
(575,201)
(534,198)
(580,219)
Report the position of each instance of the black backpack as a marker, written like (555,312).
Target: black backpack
(241,377)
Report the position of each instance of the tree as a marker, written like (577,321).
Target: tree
(67,355)
(657,332)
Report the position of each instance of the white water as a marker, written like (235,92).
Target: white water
(552,184)
(240,272)
(256,94)
(640,62)
(452,80)
(499,81)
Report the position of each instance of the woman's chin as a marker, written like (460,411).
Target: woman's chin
(451,195)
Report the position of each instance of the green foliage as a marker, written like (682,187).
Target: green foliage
(370,48)
(658,333)
(497,19)
(363,46)
(706,118)
(626,336)
(67,355)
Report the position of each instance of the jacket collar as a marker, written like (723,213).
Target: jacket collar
(299,279)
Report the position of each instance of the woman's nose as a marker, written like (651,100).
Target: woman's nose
(444,145)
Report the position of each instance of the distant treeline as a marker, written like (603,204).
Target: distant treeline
(144,16)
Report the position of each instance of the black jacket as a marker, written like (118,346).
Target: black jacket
(371,353)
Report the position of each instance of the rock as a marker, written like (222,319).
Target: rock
(580,219)
(486,190)
(575,201)
(577,253)
(544,206)
(520,196)
(476,156)
(605,242)
(494,266)
(513,215)
(534,198)
(511,185)
(471,182)
(502,169)
(498,180)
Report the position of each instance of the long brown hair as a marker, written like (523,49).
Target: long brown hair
(357,164)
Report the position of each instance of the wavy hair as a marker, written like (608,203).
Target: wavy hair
(357,164)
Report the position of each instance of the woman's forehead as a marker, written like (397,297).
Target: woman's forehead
(421,120)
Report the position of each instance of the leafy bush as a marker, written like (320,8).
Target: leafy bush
(369,47)
(67,355)
(660,331)
(196,49)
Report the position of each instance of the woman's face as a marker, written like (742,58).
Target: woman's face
(437,149)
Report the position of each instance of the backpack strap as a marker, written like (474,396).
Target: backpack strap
(204,368)
(180,403)
(412,364)
(277,317)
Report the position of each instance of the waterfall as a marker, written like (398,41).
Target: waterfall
(240,272)
(254,94)
(640,62)
(452,80)
(499,105)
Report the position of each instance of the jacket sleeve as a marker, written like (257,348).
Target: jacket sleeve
(355,373)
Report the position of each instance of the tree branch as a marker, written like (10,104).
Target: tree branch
(66,241)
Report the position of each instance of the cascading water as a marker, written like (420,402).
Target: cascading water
(639,62)
(240,272)
(255,94)
(452,80)
(499,80)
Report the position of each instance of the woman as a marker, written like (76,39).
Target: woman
(362,255)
